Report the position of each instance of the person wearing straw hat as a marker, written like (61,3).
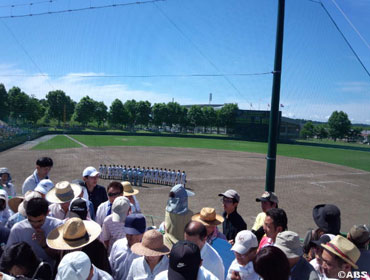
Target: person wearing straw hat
(196,232)
(44,186)
(121,256)
(211,220)
(77,266)
(113,225)
(360,236)
(177,214)
(60,197)
(300,268)
(130,193)
(43,167)
(153,260)
(6,181)
(339,257)
(35,228)
(21,204)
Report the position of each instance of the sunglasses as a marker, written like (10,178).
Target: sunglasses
(114,194)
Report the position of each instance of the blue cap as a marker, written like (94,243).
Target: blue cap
(135,224)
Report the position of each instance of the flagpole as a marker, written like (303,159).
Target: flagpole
(275,100)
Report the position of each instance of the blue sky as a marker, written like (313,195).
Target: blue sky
(177,37)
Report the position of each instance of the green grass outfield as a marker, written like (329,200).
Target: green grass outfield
(351,158)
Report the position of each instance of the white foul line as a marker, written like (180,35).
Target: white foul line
(74,140)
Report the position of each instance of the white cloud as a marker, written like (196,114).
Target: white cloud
(355,87)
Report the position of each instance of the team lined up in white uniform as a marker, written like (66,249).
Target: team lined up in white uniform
(137,175)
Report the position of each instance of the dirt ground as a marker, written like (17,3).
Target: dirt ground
(300,184)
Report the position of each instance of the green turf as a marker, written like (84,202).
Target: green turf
(355,159)
(57,142)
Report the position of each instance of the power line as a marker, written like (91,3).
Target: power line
(141,76)
(199,50)
(82,9)
(27,4)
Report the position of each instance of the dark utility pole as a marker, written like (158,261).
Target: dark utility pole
(275,101)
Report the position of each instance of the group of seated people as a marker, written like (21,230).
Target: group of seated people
(81,230)
(7,131)
(137,175)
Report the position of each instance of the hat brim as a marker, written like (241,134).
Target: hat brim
(239,249)
(139,249)
(56,241)
(14,203)
(219,219)
(51,195)
(331,250)
(22,209)
(134,192)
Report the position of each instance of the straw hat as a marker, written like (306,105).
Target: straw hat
(27,197)
(344,249)
(74,234)
(14,203)
(63,192)
(208,217)
(151,246)
(128,190)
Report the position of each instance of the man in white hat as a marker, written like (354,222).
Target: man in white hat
(97,193)
(245,250)
(113,225)
(35,228)
(339,257)
(44,186)
(300,269)
(77,266)
(4,209)
(6,181)
(153,260)
(196,232)
(43,167)
(60,197)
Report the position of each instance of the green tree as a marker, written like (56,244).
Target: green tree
(228,115)
(4,103)
(210,117)
(183,118)
(131,108)
(173,109)
(307,130)
(159,114)
(34,110)
(101,113)
(320,131)
(195,116)
(117,114)
(143,110)
(354,133)
(339,125)
(85,110)
(18,101)
(60,106)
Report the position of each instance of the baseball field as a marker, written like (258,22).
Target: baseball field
(306,175)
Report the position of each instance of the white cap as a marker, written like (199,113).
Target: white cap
(120,207)
(74,266)
(90,171)
(244,241)
(44,186)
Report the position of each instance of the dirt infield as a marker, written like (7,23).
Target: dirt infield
(300,184)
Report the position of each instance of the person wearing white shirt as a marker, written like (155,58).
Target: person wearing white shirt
(196,232)
(114,190)
(245,250)
(153,260)
(43,167)
(185,263)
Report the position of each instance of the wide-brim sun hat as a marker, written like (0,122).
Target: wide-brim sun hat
(63,192)
(74,234)
(27,197)
(327,217)
(128,190)
(14,202)
(151,245)
(208,217)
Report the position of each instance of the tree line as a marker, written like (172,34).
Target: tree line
(338,127)
(20,108)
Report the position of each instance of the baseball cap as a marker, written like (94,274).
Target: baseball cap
(135,224)
(184,261)
(74,266)
(90,171)
(244,241)
(268,196)
(288,242)
(231,194)
(325,238)
(359,234)
(44,186)
(120,207)
(78,208)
